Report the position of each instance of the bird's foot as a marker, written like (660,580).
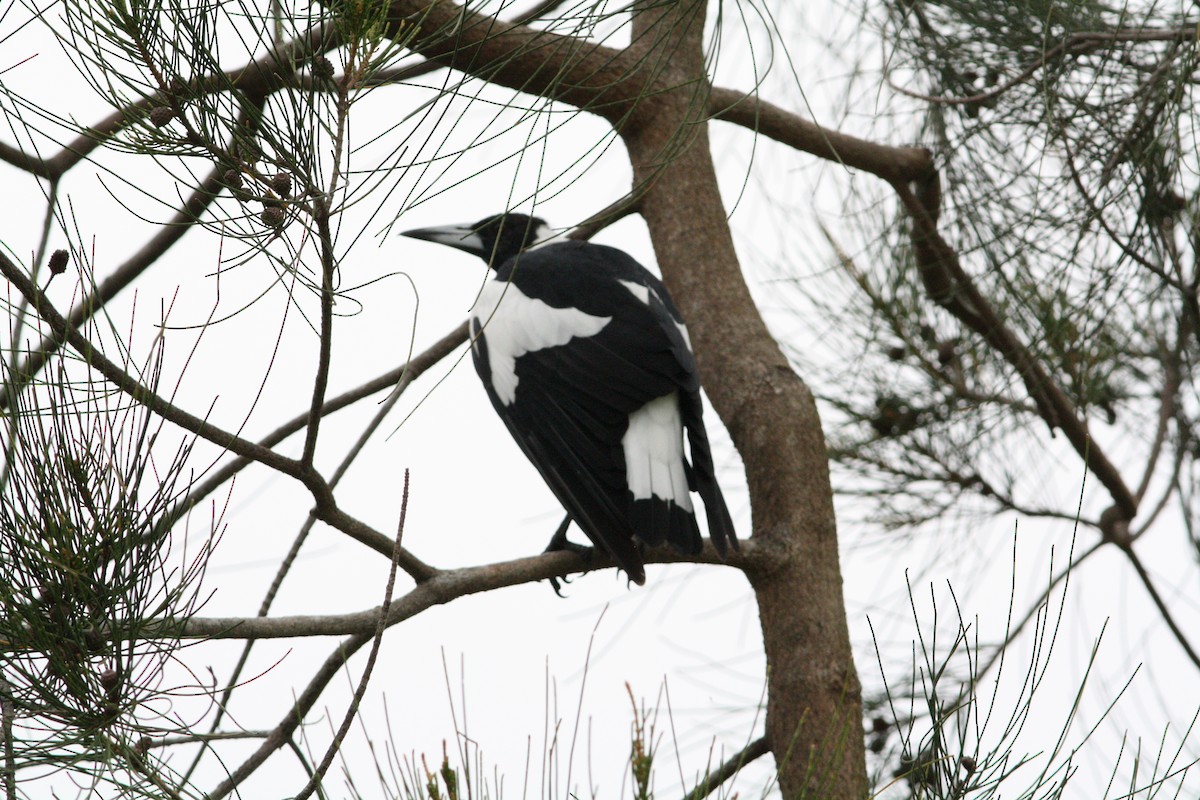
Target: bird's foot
(560,543)
(557,583)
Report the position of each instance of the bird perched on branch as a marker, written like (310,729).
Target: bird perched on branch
(586,359)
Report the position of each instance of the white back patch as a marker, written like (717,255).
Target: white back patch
(545,235)
(653,446)
(515,324)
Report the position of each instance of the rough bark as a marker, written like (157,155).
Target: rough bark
(814,708)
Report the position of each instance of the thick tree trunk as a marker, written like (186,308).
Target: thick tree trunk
(814,714)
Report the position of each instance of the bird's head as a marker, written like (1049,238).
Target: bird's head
(495,239)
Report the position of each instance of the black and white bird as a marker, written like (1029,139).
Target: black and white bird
(587,361)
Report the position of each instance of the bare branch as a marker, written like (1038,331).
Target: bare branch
(756,749)
(751,112)
(409,371)
(443,587)
(410,71)
(256,80)
(377,640)
(328,512)
(1163,610)
(193,738)
(172,231)
(282,733)
(1168,398)
(321,379)
(588,76)
(290,558)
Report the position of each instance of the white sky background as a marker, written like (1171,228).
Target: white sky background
(475,499)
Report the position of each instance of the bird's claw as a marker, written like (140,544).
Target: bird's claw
(559,543)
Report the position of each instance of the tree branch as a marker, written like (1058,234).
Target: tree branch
(408,371)
(257,80)
(377,639)
(410,71)
(1077,43)
(443,587)
(282,733)
(751,112)
(567,69)
(172,231)
(7,715)
(64,332)
(1160,604)
(324,352)
(950,287)
(756,749)
(814,705)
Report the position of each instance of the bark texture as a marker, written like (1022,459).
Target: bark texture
(814,708)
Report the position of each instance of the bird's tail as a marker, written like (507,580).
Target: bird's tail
(720,524)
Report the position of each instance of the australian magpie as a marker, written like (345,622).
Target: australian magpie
(587,361)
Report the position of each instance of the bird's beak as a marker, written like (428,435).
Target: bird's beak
(460,237)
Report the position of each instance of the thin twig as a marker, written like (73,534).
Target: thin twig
(1168,400)
(1074,44)
(17,331)
(1035,608)
(325,351)
(255,80)
(969,306)
(328,257)
(64,332)
(281,734)
(1147,519)
(1159,603)
(413,368)
(172,231)
(193,738)
(326,508)
(610,214)
(361,690)
(18,326)
(289,559)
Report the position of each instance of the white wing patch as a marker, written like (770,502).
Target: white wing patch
(638,290)
(515,324)
(683,330)
(653,447)
(642,292)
